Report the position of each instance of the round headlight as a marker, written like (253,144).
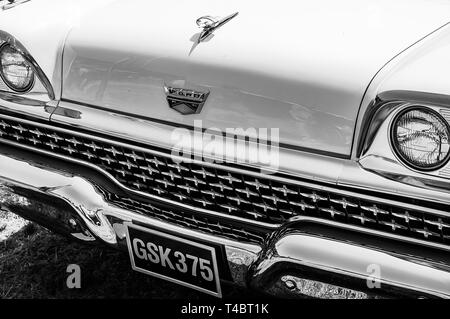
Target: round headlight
(420,137)
(15,70)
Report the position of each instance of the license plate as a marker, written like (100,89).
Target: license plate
(172,258)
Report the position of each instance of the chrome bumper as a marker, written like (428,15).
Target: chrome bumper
(306,258)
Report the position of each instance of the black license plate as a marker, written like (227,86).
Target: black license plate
(172,258)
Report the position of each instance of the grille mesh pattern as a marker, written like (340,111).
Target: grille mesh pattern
(220,190)
(193,221)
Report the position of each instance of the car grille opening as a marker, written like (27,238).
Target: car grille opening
(191,220)
(245,195)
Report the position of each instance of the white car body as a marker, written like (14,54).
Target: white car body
(314,70)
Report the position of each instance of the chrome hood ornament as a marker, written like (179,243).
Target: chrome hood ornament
(185,101)
(210,24)
(8,4)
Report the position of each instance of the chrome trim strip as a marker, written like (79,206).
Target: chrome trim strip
(382,158)
(409,240)
(67,107)
(34,106)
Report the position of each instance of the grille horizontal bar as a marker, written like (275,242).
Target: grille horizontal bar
(256,199)
(191,220)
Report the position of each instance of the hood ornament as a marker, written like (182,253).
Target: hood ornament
(12,3)
(210,24)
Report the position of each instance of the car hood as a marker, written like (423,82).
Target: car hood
(298,66)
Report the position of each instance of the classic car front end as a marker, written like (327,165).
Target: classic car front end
(301,149)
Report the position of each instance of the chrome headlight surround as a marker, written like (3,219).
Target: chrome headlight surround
(42,89)
(375,152)
(440,127)
(25,62)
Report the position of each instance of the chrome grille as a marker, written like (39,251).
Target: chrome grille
(221,190)
(191,220)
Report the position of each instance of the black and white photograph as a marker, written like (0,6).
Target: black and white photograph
(225,156)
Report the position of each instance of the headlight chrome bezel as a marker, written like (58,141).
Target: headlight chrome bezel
(15,89)
(396,148)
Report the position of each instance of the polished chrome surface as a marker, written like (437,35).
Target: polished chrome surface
(223,191)
(42,209)
(23,178)
(85,198)
(317,289)
(210,24)
(34,107)
(380,156)
(338,171)
(299,251)
(192,220)
(303,91)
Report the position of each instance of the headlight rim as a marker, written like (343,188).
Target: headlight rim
(30,86)
(395,147)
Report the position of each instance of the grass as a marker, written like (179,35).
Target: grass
(9,224)
(33,263)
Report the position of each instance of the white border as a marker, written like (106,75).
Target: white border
(186,241)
